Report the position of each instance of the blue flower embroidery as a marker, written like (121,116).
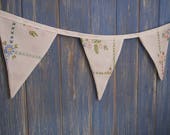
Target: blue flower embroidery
(9,50)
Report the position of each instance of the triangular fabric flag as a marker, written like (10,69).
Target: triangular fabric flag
(23,47)
(102,56)
(156,44)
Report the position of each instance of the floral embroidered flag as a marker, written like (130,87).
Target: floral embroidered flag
(102,56)
(23,47)
(156,43)
(25,43)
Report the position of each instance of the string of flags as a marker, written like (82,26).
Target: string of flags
(25,43)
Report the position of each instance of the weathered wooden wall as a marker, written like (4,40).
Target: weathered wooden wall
(59,98)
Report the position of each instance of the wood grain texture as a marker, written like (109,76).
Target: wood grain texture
(149,10)
(59,98)
(103,21)
(163,87)
(76,81)
(127,68)
(43,93)
(13,112)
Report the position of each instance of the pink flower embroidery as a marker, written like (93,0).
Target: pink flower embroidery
(94,44)
(166,34)
(161,57)
(86,43)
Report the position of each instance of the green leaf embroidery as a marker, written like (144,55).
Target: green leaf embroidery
(33,33)
(97,41)
(96,48)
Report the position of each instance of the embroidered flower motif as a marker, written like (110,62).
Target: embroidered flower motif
(9,50)
(166,34)
(162,58)
(95,44)
(86,43)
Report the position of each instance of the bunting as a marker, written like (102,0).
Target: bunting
(25,43)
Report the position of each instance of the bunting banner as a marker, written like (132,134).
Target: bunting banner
(25,43)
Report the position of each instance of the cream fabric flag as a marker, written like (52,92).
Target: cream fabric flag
(102,56)
(23,47)
(156,43)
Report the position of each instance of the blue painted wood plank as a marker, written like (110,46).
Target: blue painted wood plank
(149,10)
(103,21)
(14,6)
(127,69)
(43,92)
(12,111)
(163,87)
(76,80)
